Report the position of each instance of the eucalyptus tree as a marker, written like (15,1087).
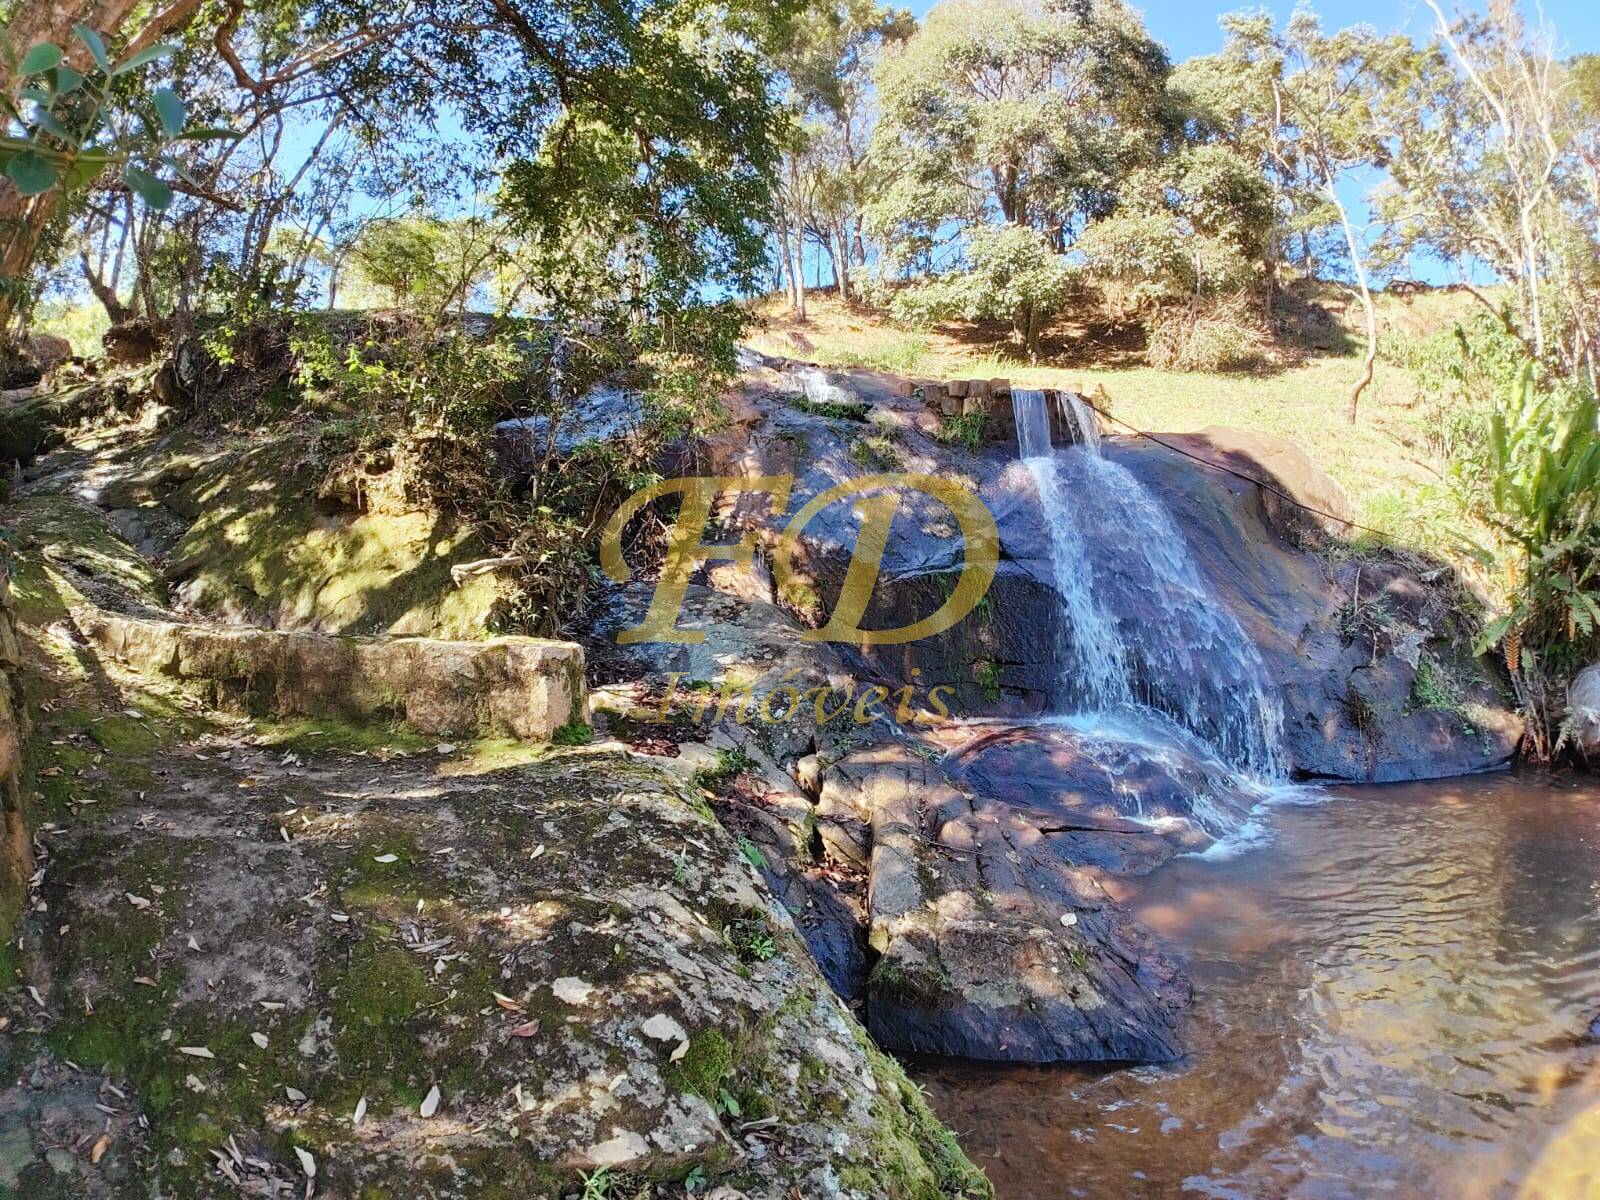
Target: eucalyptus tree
(1003,113)
(1331,94)
(827,60)
(73,110)
(1500,167)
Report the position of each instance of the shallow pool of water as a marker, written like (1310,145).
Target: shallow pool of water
(1391,998)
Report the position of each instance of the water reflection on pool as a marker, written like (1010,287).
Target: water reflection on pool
(1391,998)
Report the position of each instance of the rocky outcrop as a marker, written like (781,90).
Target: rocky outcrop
(432,980)
(263,533)
(16,848)
(987,869)
(526,687)
(48,350)
(1583,712)
(996,938)
(1371,653)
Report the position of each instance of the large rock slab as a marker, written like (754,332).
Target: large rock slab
(1376,678)
(433,982)
(527,687)
(995,935)
(1367,650)
(1583,707)
(751,675)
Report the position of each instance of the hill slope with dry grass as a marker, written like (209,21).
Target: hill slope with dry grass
(1386,462)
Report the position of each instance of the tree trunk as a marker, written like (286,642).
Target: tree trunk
(841,265)
(786,260)
(1358,264)
(798,271)
(1367,309)
(103,292)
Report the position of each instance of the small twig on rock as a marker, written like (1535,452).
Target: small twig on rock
(461,572)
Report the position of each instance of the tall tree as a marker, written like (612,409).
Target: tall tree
(1003,113)
(1498,168)
(25,216)
(1329,98)
(828,176)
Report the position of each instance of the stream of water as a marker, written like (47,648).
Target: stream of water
(1393,986)
(1391,998)
(1142,627)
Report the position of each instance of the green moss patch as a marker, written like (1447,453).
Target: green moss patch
(261,543)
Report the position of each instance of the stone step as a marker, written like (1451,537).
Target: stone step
(521,686)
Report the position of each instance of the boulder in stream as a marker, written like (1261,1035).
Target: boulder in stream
(996,938)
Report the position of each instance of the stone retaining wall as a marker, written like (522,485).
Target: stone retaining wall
(525,687)
(991,397)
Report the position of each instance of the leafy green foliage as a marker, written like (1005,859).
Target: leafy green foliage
(1005,128)
(964,430)
(1534,481)
(1011,274)
(73,125)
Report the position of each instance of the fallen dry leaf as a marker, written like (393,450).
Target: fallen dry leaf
(526,1029)
(98,1150)
(259,1039)
(307,1163)
(196,1051)
(361,1111)
(682,1049)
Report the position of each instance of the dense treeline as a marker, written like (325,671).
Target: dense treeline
(212,169)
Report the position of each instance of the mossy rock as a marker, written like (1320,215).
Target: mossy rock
(68,553)
(519,937)
(262,546)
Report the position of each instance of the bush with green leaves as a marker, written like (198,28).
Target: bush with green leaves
(1011,274)
(1533,480)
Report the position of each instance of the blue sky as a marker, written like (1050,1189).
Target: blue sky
(1187,28)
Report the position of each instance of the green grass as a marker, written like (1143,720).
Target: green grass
(889,350)
(1383,462)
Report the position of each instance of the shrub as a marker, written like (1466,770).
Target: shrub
(1533,478)
(1222,337)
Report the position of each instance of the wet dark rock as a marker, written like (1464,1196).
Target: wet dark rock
(1377,682)
(996,938)
(1369,652)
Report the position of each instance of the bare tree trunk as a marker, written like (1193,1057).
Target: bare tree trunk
(841,265)
(1358,264)
(786,260)
(103,292)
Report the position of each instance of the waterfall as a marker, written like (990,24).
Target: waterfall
(1143,629)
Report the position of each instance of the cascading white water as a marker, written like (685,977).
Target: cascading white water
(1089,638)
(1142,627)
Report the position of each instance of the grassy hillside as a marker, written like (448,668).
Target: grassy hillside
(1384,461)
